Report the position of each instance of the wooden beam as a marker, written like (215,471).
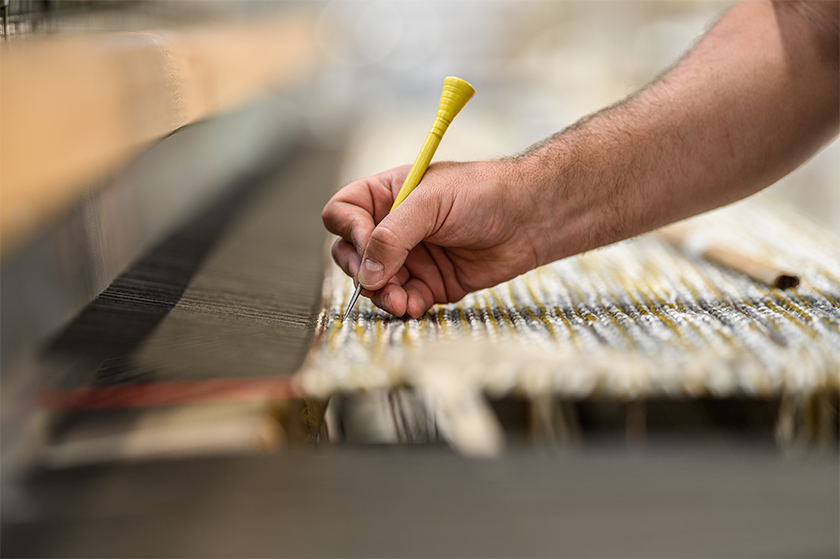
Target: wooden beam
(75,107)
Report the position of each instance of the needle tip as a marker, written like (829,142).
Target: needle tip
(352,301)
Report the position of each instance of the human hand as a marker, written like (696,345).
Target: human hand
(729,119)
(467,226)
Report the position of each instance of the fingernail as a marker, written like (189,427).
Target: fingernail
(386,300)
(371,272)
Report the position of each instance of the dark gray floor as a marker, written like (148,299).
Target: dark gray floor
(670,501)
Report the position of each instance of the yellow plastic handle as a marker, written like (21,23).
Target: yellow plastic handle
(456,92)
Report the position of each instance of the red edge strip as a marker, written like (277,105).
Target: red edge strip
(175,393)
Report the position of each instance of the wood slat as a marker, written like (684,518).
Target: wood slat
(75,107)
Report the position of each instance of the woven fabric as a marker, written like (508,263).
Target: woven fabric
(639,318)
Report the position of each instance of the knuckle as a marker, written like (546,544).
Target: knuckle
(331,218)
(327,215)
(385,239)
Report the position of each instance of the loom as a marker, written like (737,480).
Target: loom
(178,379)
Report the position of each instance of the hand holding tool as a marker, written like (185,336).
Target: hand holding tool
(456,92)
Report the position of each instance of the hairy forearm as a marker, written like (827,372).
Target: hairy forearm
(753,100)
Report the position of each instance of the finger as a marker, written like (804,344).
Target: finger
(391,298)
(350,215)
(390,242)
(419,298)
(402,276)
(354,210)
(421,264)
(350,222)
(344,254)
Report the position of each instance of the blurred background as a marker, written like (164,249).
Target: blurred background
(538,66)
(123,120)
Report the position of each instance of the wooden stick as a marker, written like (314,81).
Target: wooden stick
(759,270)
(76,107)
(173,393)
(170,433)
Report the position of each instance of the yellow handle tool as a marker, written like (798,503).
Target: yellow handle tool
(456,92)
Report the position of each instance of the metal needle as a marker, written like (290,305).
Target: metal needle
(352,301)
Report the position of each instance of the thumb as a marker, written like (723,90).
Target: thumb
(391,240)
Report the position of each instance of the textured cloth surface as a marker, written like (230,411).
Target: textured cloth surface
(232,293)
(634,319)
